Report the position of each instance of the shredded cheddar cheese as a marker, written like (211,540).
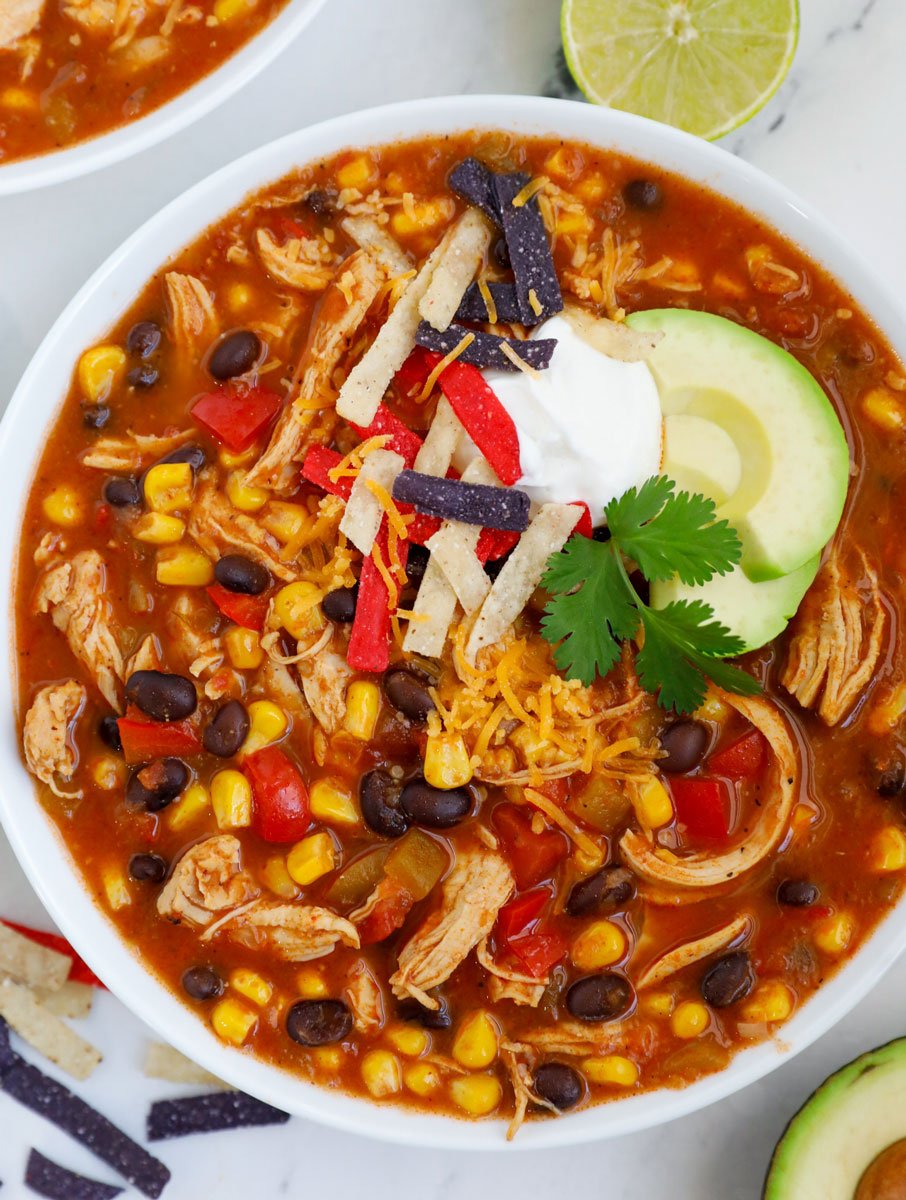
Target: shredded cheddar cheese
(507,350)
(534,302)
(485,293)
(531,189)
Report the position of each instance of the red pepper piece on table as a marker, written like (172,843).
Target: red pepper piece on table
(742,759)
(412,376)
(236,417)
(79,972)
(247,611)
(701,806)
(402,439)
(144,740)
(280,806)
(484,418)
(516,917)
(369,638)
(316,468)
(539,951)
(532,856)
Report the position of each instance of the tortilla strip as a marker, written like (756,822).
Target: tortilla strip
(613,338)
(437,450)
(364,512)
(31,964)
(368,235)
(433,611)
(163,1062)
(46,1033)
(455,543)
(73,1001)
(464,255)
(692,952)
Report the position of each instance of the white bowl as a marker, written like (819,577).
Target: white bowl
(171,118)
(96,307)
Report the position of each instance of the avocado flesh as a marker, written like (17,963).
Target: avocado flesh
(792,449)
(840,1131)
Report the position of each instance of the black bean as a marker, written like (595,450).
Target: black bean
(156,785)
(339,605)
(235,354)
(416,563)
(685,743)
(501,254)
(237,573)
(227,729)
(600,997)
(122,491)
(142,377)
(320,201)
(434,807)
(797,893)
(318,1022)
(191,453)
(729,979)
(379,799)
(95,416)
(143,339)
(202,983)
(600,533)
(890,780)
(161,696)
(109,733)
(643,194)
(148,868)
(494,566)
(408,693)
(439,1018)
(610,887)
(558,1084)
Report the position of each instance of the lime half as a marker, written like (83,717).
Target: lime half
(702,65)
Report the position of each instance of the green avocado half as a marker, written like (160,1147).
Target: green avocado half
(848,1141)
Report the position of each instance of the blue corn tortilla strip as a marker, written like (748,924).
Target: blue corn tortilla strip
(530,252)
(474,182)
(48,1179)
(209,1114)
(472,503)
(8,1056)
(55,1103)
(473,307)
(484,350)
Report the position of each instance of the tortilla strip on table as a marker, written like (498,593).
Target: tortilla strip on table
(31,964)
(45,1032)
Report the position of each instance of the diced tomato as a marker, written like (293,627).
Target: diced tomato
(539,951)
(369,639)
(533,856)
(402,440)
(514,918)
(484,418)
(701,806)
(248,611)
(79,972)
(556,789)
(280,809)
(413,374)
(585,528)
(742,759)
(236,416)
(291,228)
(388,913)
(319,462)
(144,740)
(495,543)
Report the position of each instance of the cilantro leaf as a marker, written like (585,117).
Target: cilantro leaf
(638,505)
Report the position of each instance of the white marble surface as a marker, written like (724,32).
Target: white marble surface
(834,134)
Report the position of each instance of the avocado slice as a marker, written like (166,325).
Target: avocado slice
(791,446)
(848,1141)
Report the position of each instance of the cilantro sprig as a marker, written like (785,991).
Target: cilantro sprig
(594,606)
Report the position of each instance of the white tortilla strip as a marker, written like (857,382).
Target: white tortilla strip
(369,236)
(521,574)
(460,264)
(436,452)
(614,338)
(455,543)
(163,1062)
(73,1001)
(45,1032)
(362,518)
(34,965)
(433,612)
(692,952)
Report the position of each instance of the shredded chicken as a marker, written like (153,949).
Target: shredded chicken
(325,678)
(838,635)
(47,734)
(278,683)
(368,235)
(216,525)
(130,453)
(145,658)
(471,897)
(294,932)
(75,595)
(304,263)
(520,1061)
(17,20)
(693,952)
(188,622)
(363,995)
(504,984)
(207,879)
(191,314)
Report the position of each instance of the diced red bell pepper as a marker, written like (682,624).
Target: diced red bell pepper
(422,527)
(369,638)
(533,856)
(144,741)
(495,543)
(742,759)
(280,808)
(412,376)
(402,440)
(79,972)
(319,461)
(248,611)
(291,228)
(236,416)
(515,918)
(388,913)
(701,806)
(484,418)
(585,528)
(539,951)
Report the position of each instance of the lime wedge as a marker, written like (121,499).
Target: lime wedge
(705,66)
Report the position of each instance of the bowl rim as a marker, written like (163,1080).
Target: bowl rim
(170,118)
(36,402)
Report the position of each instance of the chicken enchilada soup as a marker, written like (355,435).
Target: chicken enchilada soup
(457,626)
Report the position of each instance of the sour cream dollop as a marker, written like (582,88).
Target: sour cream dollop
(589,426)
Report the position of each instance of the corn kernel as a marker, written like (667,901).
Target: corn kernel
(424,215)
(422,1078)
(311,858)
(573,224)
(229,10)
(887,710)
(884,409)
(592,189)
(250,984)
(382,1073)
(656,1004)
(233,1021)
(611,1068)
(168,487)
(239,296)
(332,801)
(363,705)
(652,804)
(475,1044)
(194,802)
(409,1040)
(712,709)
(181,566)
(19,98)
(328,1058)
(447,761)
(116,888)
(231,799)
(771,1001)
(298,609)
(242,496)
(267,724)
(477,1095)
(834,933)
(803,816)
(98,371)
(689,1019)
(284,520)
(563,162)
(598,945)
(357,173)
(311,985)
(64,506)
(158,529)
(278,879)
(888,850)
(108,773)
(230,459)
(243,647)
